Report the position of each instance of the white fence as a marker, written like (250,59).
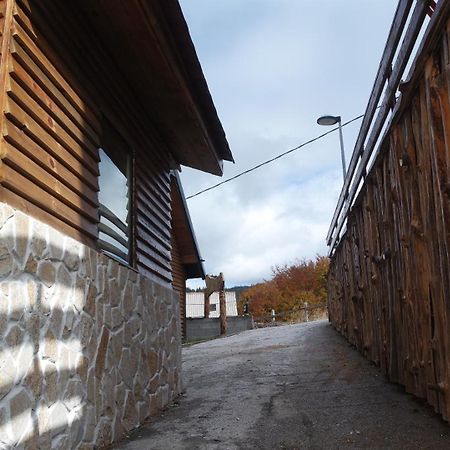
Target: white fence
(195,304)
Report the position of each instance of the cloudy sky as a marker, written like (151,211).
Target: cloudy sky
(273,67)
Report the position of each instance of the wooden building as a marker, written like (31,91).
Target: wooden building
(100,102)
(389,283)
(118,76)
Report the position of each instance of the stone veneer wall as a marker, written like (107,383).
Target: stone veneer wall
(88,347)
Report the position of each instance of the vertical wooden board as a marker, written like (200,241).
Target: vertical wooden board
(6,18)
(404,210)
(439,115)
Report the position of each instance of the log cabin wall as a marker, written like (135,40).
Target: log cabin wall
(60,86)
(389,288)
(50,138)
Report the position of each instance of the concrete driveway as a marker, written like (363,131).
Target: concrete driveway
(291,387)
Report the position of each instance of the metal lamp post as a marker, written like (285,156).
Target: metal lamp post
(333,120)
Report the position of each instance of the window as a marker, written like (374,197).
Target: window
(115,196)
(213,307)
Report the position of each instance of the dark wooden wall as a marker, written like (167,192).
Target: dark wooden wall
(179,282)
(60,83)
(389,279)
(50,138)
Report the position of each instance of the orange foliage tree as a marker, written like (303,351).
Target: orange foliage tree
(288,289)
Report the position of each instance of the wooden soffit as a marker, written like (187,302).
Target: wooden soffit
(150,43)
(183,231)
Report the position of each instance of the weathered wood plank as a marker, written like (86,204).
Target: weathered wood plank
(30,127)
(150,254)
(45,64)
(149,239)
(39,176)
(57,167)
(6,10)
(25,69)
(149,265)
(86,153)
(17,183)
(80,131)
(36,211)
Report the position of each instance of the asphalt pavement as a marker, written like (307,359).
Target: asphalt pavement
(289,387)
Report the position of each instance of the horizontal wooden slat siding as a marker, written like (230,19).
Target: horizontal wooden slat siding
(155,257)
(17,201)
(25,186)
(48,124)
(160,224)
(33,76)
(149,195)
(54,164)
(179,283)
(2,19)
(153,231)
(40,176)
(49,151)
(61,82)
(31,128)
(44,56)
(78,131)
(389,279)
(153,214)
(6,10)
(153,209)
(23,54)
(151,269)
(157,245)
(91,64)
(161,180)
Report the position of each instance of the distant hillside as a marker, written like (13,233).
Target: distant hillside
(238,290)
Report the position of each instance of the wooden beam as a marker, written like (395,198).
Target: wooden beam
(6,19)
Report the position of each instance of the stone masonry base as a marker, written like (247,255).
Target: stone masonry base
(88,348)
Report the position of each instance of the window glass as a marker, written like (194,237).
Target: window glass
(113,187)
(113,197)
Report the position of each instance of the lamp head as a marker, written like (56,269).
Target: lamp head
(328,120)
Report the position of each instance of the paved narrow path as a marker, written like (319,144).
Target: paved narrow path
(291,387)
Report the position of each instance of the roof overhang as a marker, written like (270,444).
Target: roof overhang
(183,231)
(150,43)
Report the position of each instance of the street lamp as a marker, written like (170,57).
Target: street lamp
(333,120)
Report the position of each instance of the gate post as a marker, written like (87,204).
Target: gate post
(206,305)
(223,308)
(217,284)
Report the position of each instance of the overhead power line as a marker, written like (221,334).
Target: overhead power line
(245,172)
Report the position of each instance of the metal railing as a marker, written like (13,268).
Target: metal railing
(409,20)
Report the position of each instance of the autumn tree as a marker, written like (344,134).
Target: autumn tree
(288,289)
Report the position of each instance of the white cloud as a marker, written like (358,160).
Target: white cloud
(273,67)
